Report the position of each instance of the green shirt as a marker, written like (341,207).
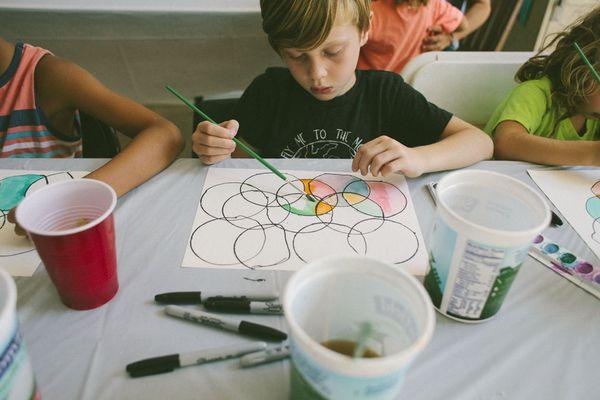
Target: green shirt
(530,104)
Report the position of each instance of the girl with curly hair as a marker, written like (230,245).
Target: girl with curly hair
(553,116)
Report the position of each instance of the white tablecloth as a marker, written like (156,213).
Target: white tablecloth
(543,344)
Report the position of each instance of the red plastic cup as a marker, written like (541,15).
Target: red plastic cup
(71,225)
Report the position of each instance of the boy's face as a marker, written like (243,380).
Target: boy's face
(327,71)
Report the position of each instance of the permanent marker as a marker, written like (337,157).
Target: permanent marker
(159,365)
(199,297)
(266,356)
(243,306)
(243,327)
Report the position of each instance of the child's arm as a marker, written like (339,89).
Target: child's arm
(64,87)
(438,39)
(478,11)
(461,145)
(513,142)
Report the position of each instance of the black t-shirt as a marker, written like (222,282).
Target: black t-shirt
(281,119)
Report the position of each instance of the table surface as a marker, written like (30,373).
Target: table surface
(542,344)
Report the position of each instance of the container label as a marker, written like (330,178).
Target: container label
(469,279)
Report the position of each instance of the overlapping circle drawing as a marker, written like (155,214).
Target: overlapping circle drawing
(265,222)
(592,207)
(12,190)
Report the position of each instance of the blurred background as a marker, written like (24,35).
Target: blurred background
(214,48)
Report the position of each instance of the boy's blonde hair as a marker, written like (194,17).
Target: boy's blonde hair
(572,81)
(305,24)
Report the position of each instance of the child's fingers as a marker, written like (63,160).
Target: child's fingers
(213,141)
(382,159)
(211,129)
(208,160)
(11,216)
(204,150)
(367,153)
(361,152)
(232,126)
(396,165)
(12,219)
(434,29)
(430,47)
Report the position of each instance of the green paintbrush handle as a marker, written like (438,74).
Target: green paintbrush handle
(587,62)
(237,142)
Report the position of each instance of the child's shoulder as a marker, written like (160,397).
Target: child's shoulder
(274,75)
(534,89)
(378,77)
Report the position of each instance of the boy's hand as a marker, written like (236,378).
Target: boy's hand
(213,143)
(385,155)
(437,39)
(11,218)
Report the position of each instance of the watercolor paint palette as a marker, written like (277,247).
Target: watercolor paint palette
(565,263)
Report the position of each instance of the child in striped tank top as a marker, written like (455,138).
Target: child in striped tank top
(40,96)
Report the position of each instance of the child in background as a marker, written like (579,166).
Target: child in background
(322,107)
(400,29)
(553,116)
(40,95)
(476,13)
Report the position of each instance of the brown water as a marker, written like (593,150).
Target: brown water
(347,347)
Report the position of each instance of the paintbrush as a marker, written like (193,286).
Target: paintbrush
(365,331)
(242,145)
(587,62)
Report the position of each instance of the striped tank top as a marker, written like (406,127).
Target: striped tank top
(24,129)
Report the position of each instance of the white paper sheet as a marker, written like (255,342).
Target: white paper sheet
(17,255)
(252,219)
(576,194)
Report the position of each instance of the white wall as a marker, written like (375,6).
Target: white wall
(137,53)
(561,16)
(134,5)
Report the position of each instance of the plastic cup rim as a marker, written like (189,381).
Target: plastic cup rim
(514,234)
(65,232)
(374,366)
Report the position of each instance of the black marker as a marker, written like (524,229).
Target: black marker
(159,365)
(555,220)
(199,297)
(243,327)
(242,306)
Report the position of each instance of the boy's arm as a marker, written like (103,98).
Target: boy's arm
(513,142)
(156,141)
(461,144)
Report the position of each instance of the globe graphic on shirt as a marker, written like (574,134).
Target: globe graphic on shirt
(325,149)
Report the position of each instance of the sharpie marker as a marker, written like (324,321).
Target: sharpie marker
(432,189)
(199,297)
(266,356)
(243,327)
(159,365)
(243,306)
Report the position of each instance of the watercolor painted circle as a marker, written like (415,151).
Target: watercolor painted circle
(592,206)
(596,189)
